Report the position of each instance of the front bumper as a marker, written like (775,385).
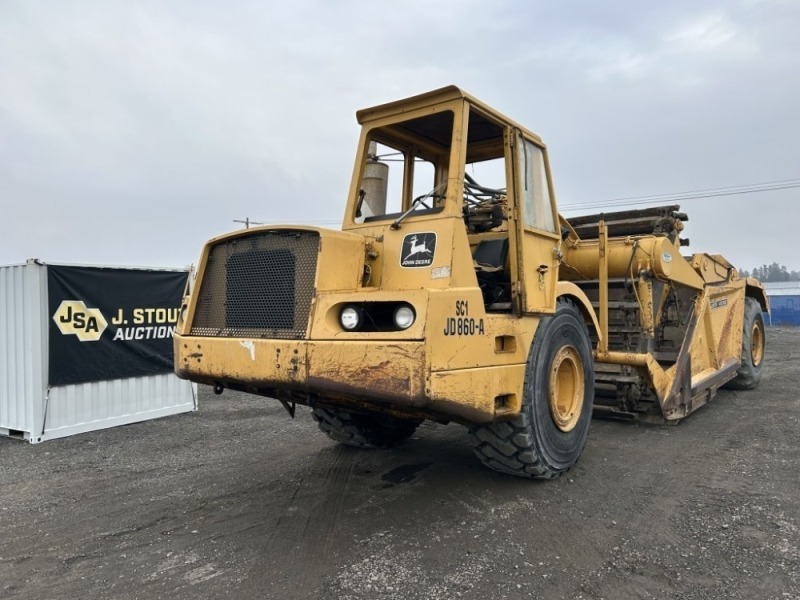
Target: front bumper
(390,376)
(388,372)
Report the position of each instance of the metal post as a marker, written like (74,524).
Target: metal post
(602,345)
(247,222)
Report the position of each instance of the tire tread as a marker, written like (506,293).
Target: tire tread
(748,375)
(509,446)
(361,430)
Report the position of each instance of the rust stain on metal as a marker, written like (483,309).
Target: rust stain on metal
(379,367)
(294,368)
(389,379)
(387,389)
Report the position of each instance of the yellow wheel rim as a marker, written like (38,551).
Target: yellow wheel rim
(756,344)
(566,388)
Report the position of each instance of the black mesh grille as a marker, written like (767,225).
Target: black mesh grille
(260,285)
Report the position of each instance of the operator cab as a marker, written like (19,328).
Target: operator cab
(444,155)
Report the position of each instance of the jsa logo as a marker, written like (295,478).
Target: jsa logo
(72,317)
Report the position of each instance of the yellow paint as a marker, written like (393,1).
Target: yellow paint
(463,358)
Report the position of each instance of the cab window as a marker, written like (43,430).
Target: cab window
(405,167)
(534,192)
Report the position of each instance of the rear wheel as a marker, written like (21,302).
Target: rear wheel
(363,430)
(753,345)
(550,432)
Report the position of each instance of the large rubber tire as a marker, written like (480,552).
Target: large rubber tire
(363,430)
(548,436)
(753,346)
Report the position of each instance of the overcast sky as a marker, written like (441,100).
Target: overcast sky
(131,132)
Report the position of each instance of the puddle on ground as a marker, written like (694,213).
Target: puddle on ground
(403,474)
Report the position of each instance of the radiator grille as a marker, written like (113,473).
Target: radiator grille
(260,285)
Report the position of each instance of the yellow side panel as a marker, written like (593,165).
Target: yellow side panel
(461,334)
(471,393)
(718,339)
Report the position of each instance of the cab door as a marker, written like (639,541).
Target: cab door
(535,234)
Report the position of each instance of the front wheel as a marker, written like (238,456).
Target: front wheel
(753,344)
(363,430)
(549,434)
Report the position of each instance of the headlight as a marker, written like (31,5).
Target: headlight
(404,317)
(351,318)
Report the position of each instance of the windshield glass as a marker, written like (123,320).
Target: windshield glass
(405,167)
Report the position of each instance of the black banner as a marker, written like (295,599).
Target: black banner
(109,323)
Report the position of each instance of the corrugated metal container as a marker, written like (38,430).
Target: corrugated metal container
(784,303)
(30,408)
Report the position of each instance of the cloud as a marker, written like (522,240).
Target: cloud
(131,132)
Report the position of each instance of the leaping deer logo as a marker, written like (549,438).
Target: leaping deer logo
(416,248)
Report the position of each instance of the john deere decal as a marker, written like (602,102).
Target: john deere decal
(418,250)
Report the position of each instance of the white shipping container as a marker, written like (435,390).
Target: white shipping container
(30,408)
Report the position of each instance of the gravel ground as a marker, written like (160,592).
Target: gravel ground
(239,499)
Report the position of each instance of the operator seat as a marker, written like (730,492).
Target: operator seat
(490,259)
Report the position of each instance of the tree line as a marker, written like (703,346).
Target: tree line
(770,273)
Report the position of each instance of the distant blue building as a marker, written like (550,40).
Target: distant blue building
(784,303)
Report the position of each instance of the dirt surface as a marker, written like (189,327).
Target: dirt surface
(239,499)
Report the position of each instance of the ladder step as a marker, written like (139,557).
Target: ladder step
(616,305)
